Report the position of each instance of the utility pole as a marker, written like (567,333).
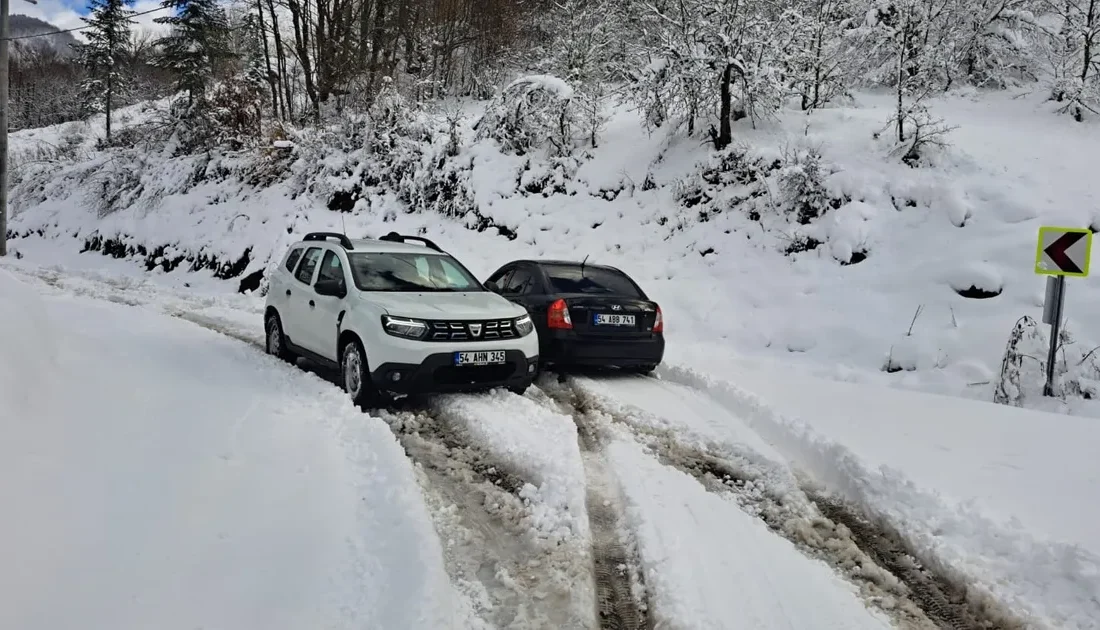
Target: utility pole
(5,43)
(5,34)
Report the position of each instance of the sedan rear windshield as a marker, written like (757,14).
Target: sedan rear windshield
(411,273)
(591,280)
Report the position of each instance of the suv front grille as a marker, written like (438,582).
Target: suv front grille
(472,330)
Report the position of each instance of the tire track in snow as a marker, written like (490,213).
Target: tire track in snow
(621,601)
(870,555)
(486,526)
(944,599)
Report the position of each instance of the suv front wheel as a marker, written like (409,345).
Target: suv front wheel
(355,376)
(276,340)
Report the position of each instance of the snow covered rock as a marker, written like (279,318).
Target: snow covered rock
(976,280)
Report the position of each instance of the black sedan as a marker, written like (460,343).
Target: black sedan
(586,315)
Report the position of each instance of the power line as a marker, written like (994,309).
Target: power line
(80,28)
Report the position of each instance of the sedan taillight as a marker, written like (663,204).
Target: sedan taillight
(557,317)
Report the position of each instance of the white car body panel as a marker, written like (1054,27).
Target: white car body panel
(477,305)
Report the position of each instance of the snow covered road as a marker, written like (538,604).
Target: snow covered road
(161,475)
(188,472)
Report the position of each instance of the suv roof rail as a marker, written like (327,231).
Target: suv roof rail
(394,237)
(345,242)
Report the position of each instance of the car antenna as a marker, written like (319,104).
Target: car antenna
(582,264)
(343,228)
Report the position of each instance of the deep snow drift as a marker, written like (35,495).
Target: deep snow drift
(157,474)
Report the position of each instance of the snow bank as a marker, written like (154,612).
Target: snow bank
(199,483)
(28,354)
(538,444)
(1000,494)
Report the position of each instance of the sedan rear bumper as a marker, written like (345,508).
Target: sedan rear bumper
(567,348)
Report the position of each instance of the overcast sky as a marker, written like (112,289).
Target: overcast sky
(66,13)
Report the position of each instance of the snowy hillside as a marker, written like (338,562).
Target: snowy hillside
(35,36)
(912,277)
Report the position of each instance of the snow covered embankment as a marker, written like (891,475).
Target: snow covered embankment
(194,456)
(969,484)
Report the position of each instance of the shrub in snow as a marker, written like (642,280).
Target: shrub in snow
(848,231)
(1023,367)
(786,194)
(532,112)
(115,182)
(976,281)
(802,185)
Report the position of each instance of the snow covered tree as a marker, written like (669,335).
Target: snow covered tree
(1074,56)
(196,45)
(236,104)
(994,42)
(587,49)
(824,55)
(909,48)
(715,60)
(107,35)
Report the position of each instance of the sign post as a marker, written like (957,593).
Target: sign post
(1061,252)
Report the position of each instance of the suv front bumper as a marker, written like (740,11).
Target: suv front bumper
(437,374)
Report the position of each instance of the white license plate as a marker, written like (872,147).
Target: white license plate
(602,319)
(485,357)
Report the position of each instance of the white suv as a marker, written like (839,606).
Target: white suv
(396,318)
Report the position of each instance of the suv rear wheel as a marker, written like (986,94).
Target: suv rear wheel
(354,375)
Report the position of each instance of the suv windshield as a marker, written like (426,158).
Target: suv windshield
(410,273)
(594,280)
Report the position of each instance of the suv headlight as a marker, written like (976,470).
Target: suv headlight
(524,325)
(404,327)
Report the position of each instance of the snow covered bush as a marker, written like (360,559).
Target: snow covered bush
(802,185)
(1023,368)
(786,194)
(116,182)
(533,112)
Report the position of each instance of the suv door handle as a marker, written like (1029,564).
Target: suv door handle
(311,304)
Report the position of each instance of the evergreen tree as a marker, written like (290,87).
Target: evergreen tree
(108,34)
(197,44)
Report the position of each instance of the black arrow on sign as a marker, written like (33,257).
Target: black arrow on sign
(1057,251)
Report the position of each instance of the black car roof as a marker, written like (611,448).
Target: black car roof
(571,263)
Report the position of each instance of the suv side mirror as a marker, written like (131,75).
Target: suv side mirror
(331,287)
(492,286)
